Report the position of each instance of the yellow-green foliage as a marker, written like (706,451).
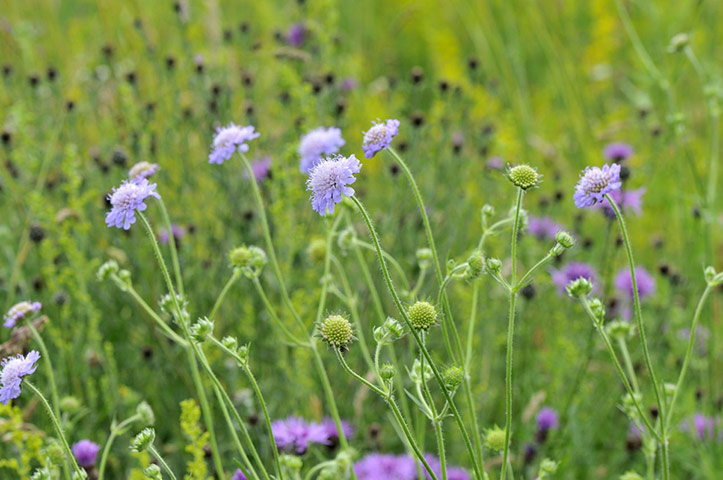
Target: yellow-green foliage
(22,437)
(197,438)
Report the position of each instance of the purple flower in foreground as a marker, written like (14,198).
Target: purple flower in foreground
(627,200)
(547,419)
(178,233)
(317,143)
(572,271)
(126,199)
(378,466)
(296,35)
(260,168)
(543,227)
(13,371)
(294,434)
(379,137)
(594,183)
(85,452)
(618,151)
(142,170)
(645,281)
(20,311)
(239,475)
(329,180)
(332,434)
(229,139)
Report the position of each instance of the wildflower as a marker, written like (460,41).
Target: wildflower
(422,315)
(349,83)
(229,139)
(329,180)
(332,434)
(336,331)
(260,168)
(495,438)
(617,152)
(543,227)
(547,419)
(177,231)
(142,170)
(19,311)
(645,281)
(379,137)
(594,183)
(126,199)
(701,425)
(294,434)
(378,466)
(296,35)
(143,440)
(495,163)
(85,452)
(317,143)
(523,176)
(13,371)
(627,201)
(572,271)
(239,475)
(453,473)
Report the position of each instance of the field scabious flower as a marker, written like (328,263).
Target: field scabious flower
(142,170)
(547,419)
(239,475)
(617,151)
(126,199)
(543,227)
(13,371)
(377,466)
(572,271)
(329,180)
(260,168)
(645,281)
(20,311)
(228,139)
(177,231)
(594,183)
(294,434)
(317,143)
(627,200)
(379,137)
(85,452)
(332,434)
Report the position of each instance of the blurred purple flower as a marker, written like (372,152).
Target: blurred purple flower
(547,419)
(349,83)
(142,170)
(703,426)
(85,452)
(296,35)
(378,466)
(570,272)
(260,168)
(294,434)
(618,151)
(495,163)
(178,233)
(230,138)
(332,434)
(317,143)
(543,228)
(627,200)
(239,475)
(20,311)
(645,281)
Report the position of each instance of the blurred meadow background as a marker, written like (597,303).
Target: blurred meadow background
(89,88)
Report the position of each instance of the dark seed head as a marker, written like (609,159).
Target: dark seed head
(417,74)
(37,233)
(472,63)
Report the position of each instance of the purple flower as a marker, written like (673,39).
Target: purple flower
(645,281)
(594,183)
(329,180)
(543,227)
(628,201)
(570,272)
(260,168)
(296,35)
(85,453)
(178,233)
(379,137)
(702,426)
(13,371)
(126,199)
(142,170)
(377,466)
(229,139)
(547,419)
(453,473)
(318,142)
(294,434)
(239,475)
(349,83)
(618,151)
(332,434)
(20,311)
(495,163)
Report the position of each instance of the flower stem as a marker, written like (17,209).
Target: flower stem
(114,432)
(48,366)
(234,276)
(160,459)
(172,245)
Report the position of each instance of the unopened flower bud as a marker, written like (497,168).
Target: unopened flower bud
(41,474)
(243,353)
(153,472)
(678,42)
(620,329)
(317,250)
(493,266)
(145,413)
(70,404)
(523,176)
(201,329)
(598,309)
(669,388)
(292,463)
(453,377)
(495,439)
(548,468)
(579,288)
(424,258)
(386,371)
(107,269)
(488,211)
(55,454)
(346,239)
(143,440)
(230,342)
(630,475)
(250,259)
(416,373)
(125,277)
(475,264)
(336,330)
(422,315)
(564,239)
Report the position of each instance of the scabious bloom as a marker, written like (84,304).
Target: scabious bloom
(332,434)
(377,466)
(627,200)
(645,281)
(594,183)
(317,143)
(126,199)
(177,231)
(547,419)
(294,434)
(296,35)
(13,371)
(702,426)
(142,170)
(260,168)
(379,137)
(495,163)
(543,227)
(20,311)
(329,180)
(229,139)
(239,475)
(572,271)
(453,473)
(618,151)
(85,452)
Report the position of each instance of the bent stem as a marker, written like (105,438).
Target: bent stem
(114,432)
(160,459)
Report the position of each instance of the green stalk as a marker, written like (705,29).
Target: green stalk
(234,276)
(160,459)
(114,432)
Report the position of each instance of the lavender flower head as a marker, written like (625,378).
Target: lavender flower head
(628,201)
(142,170)
(379,137)
(13,371)
(618,151)
(332,434)
(20,311)
(260,168)
(377,466)
(453,473)
(594,183)
(543,227)
(126,199)
(495,163)
(177,231)
(85,452)
(318,142)
(547,419)
(294,434)
(645,281)
(229,139)
(239,475)
(329,180)
(296,35)
(572,271)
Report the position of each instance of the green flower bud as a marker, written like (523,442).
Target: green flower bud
(453,377)
(143,440)
(424,258)
(70,404)
(523,176)
(630,475)
(153,472)
(620,329)
(548,467)
(495,439)
(488,211)
(669,388)
(678,43)
(493,266)
(387,371)
(346,238)
(145,413)
(475,265)
(337,331)
(422,315)
(55,454)
(292,463)
(80,476)
(564,239)
(598,309)
(107,269)
(230,342)
(41,474)
(579,288)
(249,259)
(201,330)
(416,373)
(243,353)
(390,331)
(317,250)
(125,279)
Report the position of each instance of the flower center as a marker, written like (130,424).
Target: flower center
(597,181)
(376,134)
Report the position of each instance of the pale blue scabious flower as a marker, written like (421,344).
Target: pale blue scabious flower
(379,137)
(378,466)
(617,151)
(126,199)
(543,227)
(228,139)
(85,452)
(294,434)
(13,371)
(260,168)
(572,271)
(20,311)
(329,180)
(317,143)
(142,170)
(594,183)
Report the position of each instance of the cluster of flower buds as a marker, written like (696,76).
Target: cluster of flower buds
(563,241)
(249,260)
(202,329)
(143,440)
(390,331)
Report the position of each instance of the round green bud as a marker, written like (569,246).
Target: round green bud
(243,353)
(564,239)
(475,264)
(346,238)
(524,176)
(317,250)
(580,287)
(386,371)
(598,309)
(55,454)
(70,404)
(548,467)
(619,329)
(424,258)
(153,472)
(292,463)
(669,388)
(82,475)
(631,476)
(230,342)
(422,315)
(145,413)
(125,277)
(493,265)
(41,474)
(107,269)
(143,440)
(488,211)
(495,439)
(678,42)
(453,377)
(201,330)
(336,330)
(251,259)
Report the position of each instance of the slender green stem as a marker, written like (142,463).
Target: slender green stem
(392,261)
(234,276)
(364,381)
(329,395)
(274,317)
(160,459)
(114,432)
(623,346)
(48,367)
(408,434)
(534,268)
(173,247)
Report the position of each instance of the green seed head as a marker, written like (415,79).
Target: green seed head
(336,331)
(524,176)
(153,472)
(564,239)
(317,250)
(475,264)
(143,440)
(386,371)
(453,377)
(495,439)
(580,287)
(422,315)
(249,258)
